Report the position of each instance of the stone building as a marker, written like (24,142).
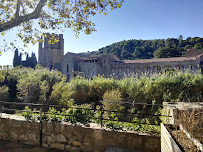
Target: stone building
(71,64)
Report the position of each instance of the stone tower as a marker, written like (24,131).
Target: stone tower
(50,55)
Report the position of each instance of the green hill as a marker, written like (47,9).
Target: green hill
(147,49)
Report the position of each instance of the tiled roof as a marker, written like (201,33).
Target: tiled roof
(175,59)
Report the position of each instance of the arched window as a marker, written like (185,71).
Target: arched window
(67,68)
(156,69)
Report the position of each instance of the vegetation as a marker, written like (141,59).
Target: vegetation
(146,49)
(41,85)
(29,85)
(87,115)
(29,62)
(34,17)
(44,86)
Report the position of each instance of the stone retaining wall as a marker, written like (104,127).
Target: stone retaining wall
(74,137)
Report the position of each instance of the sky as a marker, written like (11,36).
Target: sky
(136,19)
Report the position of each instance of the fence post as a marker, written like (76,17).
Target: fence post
(40,128)
(1,109)
(101,118)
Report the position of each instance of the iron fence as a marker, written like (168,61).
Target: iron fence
(42,109)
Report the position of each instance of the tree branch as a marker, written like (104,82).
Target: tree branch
(20,19)
(18,9)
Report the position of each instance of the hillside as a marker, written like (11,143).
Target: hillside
(146,49)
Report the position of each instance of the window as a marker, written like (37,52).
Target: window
(67,68)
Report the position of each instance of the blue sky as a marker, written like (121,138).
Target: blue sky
(136,19)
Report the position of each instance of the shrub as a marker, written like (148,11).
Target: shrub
(113,95)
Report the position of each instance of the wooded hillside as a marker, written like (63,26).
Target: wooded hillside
(146,49)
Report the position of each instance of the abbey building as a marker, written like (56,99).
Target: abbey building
(71,64)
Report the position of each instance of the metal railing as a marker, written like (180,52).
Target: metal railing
(42,108)
(143,112)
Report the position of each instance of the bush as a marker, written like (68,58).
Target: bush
(113,95)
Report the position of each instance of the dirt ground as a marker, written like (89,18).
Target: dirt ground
(182,140)
(8,146)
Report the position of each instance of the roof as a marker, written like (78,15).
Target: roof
(175,59)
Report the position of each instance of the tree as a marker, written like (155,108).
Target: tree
(168,52)
(33,60)
(27,61)
(17,60)
(51,14)
(188,47)
(180,39)
(30,61)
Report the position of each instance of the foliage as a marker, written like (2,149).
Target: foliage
(113,95)
(30,61)
(29,114)
(3,93)
(28,84)
(37,85)
(167,52)
(62,94)
(88,91)
(75,115)
(146,49)
(33,17)
(17,59)
(40,85)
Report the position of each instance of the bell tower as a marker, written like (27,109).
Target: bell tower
(51,54)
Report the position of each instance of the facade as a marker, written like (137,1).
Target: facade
(72,65)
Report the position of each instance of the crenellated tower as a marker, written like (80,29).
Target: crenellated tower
(50,55)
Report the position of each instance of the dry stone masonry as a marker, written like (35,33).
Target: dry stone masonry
(75,138)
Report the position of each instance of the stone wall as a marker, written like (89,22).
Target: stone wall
(74,137)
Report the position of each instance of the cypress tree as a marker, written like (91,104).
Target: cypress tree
(27,61)
(34,60)
(17,59)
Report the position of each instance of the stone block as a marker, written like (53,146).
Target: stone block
(44,139)
(57,146)
(68,147)
(87,139)
(86,143)
(50,126)
(68,134)
(51,139)
(98,134)
(45,145)
(4,135)
(32,136)
(59,128)
(77,143)
(14,135)
(74,149)
(61,138)
(2,127)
